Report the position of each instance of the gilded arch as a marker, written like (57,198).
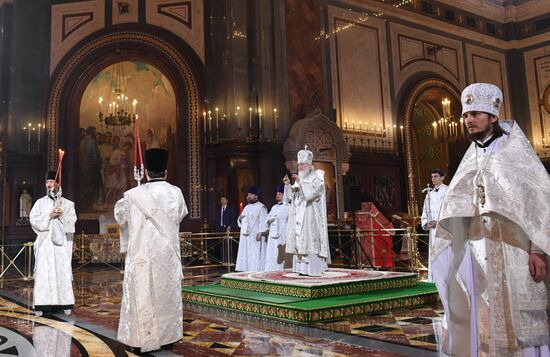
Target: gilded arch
(409,103)
(76,61)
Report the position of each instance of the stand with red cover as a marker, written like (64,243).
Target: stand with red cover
(377,243)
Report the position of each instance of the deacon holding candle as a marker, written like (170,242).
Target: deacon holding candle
(53,219)
(149,217)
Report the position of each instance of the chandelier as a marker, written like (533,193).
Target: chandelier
(117,115)
(447,128)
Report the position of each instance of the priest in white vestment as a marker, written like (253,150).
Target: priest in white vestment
(151,312)
(430,211)
(493,238)
(53,218)
(307,232)
(253,217)
(276,224)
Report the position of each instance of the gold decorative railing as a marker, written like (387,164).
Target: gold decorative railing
(97,248)
(348,248)
(218,250)
(201,250)
(16,262)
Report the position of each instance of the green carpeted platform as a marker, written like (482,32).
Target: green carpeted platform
(310,310)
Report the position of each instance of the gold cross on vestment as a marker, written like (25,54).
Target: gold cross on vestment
(481,193)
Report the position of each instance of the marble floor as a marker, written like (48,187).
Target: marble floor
(91,330)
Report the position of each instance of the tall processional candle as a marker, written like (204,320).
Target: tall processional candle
(58,173)
(260,123)
(210,125)
(275,119)
(217,124)
(39,135)
(138,158)
(204,116)
(250,121)
(241,208)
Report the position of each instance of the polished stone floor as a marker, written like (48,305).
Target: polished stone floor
(91,330)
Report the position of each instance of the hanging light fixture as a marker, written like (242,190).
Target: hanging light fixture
(447,128)
(119,113)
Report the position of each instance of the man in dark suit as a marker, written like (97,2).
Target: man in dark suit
(225,216)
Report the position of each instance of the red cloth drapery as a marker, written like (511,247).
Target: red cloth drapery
(376,241)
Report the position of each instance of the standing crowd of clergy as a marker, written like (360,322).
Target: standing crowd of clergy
(489,241)
(149,215)
(295,228)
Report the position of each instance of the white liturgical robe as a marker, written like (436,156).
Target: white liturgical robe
(495,213)
(276,237)
(151,312)
(430,211)
(307,232)
(249,256)
(53,250)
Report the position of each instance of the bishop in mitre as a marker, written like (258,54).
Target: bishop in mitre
(307,232)
(53,218)
(151,312)
(493,239)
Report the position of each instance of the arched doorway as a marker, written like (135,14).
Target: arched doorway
(171,57)
(423,149)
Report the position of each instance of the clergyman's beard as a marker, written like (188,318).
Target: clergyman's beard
(252,200)
(479,136)
(52,192)
(302,174)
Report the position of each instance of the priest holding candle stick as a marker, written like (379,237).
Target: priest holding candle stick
(53,219)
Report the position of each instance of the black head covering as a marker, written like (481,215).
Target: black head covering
(50,175)
(156,160)
(254,190)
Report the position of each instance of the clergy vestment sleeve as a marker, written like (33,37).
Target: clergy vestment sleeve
(68,218)
(40,221)
(263,219)
(264,212)
(264,226)
(424,218)
(183,208)
(122,211)
(312,190)
(287,195)
(274,228)
(535,249)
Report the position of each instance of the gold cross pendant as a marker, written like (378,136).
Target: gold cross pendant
(481,193)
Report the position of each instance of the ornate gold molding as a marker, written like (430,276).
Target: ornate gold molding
(73,63)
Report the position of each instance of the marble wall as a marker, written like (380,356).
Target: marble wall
(304,57)
(418,51)
(73,22)
(489,66)
(360,73)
